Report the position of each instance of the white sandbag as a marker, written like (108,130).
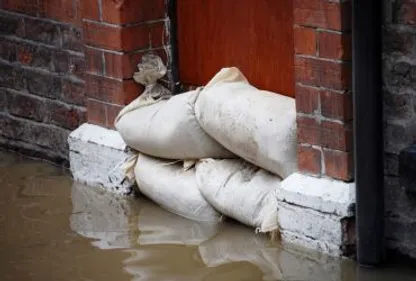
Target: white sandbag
(169,129)
(241,191)
(258,126)
(173,188)
(158,226)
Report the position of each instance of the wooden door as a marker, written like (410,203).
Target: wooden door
(253,35)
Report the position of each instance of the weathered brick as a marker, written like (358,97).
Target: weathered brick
(72,38)
(60,61)
(11,25)
(51,59)
(66,116)
(335,15)
(77,66)
(11,76)
(308,130)
(97,113)
(29,7)
(307,99)
(7,50)
(43,84)
(338,164)
(398,135)
(89,9)
(94,60)
(309,160)
(35,133)
(42,31)
(391,164)
(132,11)
(27,106)
(61,10)
(398,106)
(336,105)
(334,45)
(73,92)
(305,40)
(110,90)
(3,99)
(336,135)
(405,12)
(398,39)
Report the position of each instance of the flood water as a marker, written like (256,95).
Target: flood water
(54,229)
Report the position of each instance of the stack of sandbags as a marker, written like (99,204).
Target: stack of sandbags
(226,119)
(258,126)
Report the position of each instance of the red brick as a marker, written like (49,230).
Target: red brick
(338,164)
(112,112)
(308,130)
(334,45)
(323,14)
(305,40)
(110,90)
(123,65)
(89,9)
(96,112)
(307,99)
(158,35)
(120,38)
(99,35)
(132,11)
(137,37)
(336,106)
(336,136)
(61,10)
(29,7)
(94,59)
(307,71)
(335,75)
(120,65)
(309,160)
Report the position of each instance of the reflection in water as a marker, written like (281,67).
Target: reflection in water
(53,229)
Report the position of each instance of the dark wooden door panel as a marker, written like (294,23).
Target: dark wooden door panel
(254,35)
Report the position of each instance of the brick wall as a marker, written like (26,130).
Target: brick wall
(41,76)
(323,87)
(399,92)
(116,34)
(60,59)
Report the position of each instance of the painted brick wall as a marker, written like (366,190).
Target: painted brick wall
(323,87)
(399,92)
(42,66)
(117,34)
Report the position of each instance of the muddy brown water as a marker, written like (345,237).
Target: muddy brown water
(52,228)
